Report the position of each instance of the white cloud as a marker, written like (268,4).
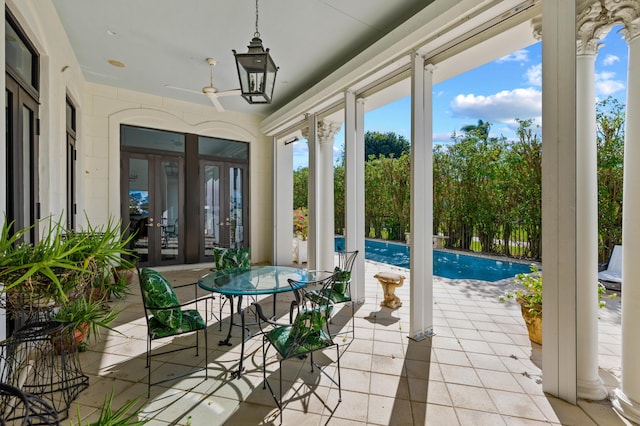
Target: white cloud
(534,75)
(503,107)
(605,75)
(521,55)
(607,85)
(610,60)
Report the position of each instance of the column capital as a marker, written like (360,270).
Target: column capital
(536,27)
(627,13)
(326,131)
(592,25)
(593,22)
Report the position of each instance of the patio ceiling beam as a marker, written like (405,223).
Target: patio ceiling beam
(441,21)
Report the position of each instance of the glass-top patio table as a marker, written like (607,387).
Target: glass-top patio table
(253,281)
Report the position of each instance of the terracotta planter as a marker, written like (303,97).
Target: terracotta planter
(127,274)
(97,294)
(534,325)
(69,339)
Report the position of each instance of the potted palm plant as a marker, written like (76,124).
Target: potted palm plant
(529,296)
(530,299)
(37,277)
(126,415)
(87,319)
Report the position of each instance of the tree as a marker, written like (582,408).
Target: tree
(485,187)
(301,187)
(387,144)
(610,119)
(481,130)
(338,199)
(525,163)
(490,188)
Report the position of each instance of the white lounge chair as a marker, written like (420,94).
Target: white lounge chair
(611,277)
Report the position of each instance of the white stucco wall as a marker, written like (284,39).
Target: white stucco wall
(60,74)
(109,107)
(100,111)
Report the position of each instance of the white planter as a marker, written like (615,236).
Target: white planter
(299,251)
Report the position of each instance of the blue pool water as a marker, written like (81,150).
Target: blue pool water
(445,264)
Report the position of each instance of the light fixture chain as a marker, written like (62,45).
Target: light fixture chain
(257,33)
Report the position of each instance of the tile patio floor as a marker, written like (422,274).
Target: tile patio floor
(479,369)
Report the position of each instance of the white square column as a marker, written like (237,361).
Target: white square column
(627,397)
(313,192)
(421,291)
(354,190)
(283,205)
(559,347)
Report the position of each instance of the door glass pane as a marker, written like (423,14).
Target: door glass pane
(139,206)
(223,148)
(10,170)
(236,207)
(151,139)
(28,170)
(169,208)
(211,208)
(19,56)
(71,182)
(71,164)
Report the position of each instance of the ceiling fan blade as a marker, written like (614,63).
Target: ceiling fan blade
(213,97)
(229,92)
(211,92)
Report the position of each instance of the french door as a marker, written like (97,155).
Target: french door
(155,207)
(183,194)
(224,189)
(22,158)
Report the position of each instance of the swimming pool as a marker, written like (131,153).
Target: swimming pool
(445,264)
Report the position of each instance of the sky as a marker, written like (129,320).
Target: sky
(498,92)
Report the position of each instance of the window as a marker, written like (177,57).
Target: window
(22,110)
(71,165)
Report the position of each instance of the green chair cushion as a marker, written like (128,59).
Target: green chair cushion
(158,293)
(342,280)
(230,258)
(308,333)
(337,295)
(191,321)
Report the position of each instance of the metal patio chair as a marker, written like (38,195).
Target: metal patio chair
(25,409)
(306,334)
(167,317)
(341,291)
(228,258)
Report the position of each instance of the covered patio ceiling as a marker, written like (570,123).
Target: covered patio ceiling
(323,47)
(166,43)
